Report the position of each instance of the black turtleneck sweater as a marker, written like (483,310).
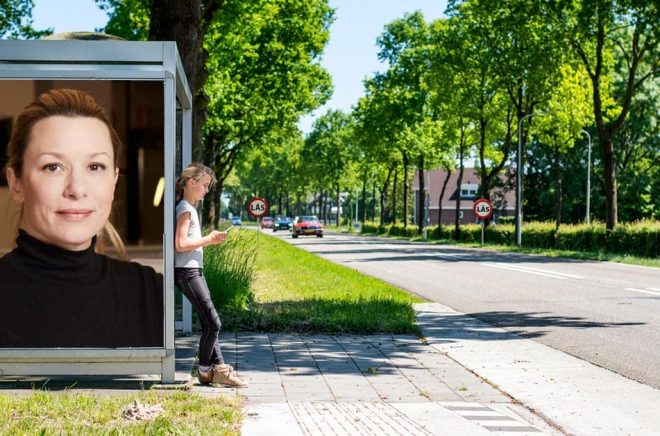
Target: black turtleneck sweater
(52,297)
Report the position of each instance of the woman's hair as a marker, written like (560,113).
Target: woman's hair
(68,103)
(194,171)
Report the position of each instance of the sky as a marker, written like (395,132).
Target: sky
(350,56)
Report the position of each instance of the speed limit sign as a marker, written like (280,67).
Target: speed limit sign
(483,209)
(257,207)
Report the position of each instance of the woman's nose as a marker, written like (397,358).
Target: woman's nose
(76,187)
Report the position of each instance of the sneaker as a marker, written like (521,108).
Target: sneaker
(225,375)
(205,377)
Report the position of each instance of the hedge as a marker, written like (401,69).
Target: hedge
(636,239)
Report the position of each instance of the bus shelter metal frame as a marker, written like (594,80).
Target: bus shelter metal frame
(126,61)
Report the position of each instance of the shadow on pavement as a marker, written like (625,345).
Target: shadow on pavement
(69,383)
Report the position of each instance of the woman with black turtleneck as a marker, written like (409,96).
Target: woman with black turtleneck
(55,289)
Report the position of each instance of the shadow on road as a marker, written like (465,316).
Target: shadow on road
(446,255)
(448,328)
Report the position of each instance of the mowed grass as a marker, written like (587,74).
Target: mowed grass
(296,291)
(46,413)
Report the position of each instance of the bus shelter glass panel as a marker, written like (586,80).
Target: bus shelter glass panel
(135,109)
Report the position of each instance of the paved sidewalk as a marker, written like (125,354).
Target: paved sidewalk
(364,385)
(399,385)
(577,396)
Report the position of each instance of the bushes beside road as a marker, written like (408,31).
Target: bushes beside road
(636,239)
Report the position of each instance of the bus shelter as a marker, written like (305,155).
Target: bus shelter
(143,87)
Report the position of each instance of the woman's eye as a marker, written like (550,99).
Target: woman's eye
(97,167)
(51,167)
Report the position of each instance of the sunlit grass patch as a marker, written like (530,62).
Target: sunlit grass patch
(295,290)
(43,412)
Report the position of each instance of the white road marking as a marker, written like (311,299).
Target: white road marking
(643,291)
(538,271)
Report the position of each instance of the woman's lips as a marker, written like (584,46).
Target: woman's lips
(74,214)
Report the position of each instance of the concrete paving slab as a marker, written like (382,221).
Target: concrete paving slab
(578,397)
(270,419)
(353,384)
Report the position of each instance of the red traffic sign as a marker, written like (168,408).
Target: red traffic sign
(483,209)
(257,207)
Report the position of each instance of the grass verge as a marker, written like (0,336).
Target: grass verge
(296,291)
(69,413)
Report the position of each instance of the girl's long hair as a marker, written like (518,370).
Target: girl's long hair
(194,171)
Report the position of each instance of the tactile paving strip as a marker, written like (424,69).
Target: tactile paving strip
(492,420)
(329,418)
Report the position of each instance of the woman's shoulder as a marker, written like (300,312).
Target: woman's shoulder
(130,271)
(4,263)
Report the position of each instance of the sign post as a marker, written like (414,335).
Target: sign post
(483,209)
(258,208)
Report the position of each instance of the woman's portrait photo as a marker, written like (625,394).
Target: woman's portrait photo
(58,285)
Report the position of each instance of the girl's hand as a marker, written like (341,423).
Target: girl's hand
(216,237)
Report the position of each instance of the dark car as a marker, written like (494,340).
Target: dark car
(307,225)
(282,223)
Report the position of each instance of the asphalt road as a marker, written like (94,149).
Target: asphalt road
(605,313)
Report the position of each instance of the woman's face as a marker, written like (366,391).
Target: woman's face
(199,188)
(68,181)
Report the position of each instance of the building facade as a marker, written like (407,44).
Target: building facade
(502,197)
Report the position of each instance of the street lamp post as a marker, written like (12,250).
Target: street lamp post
(519,170)
(588,218)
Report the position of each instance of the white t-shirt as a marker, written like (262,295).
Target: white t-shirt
(193,258)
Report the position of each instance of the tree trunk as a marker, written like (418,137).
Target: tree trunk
(383,198)
(338,205)
(406,187)
(422,197)
(558,188)
(442,195)
(373,202)
(459,180)
(394,183)
(186,22)
(363,209)
(609,160)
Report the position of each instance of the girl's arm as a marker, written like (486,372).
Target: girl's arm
(181,241)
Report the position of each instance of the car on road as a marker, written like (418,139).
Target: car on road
(282,223)
(236,220)
(267,222)
(307,225)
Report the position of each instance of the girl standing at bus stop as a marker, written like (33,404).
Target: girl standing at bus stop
(191,188)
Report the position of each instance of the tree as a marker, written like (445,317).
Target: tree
(637,147)
(452,84)
(524,47)
(184,21)
(596,29)
(405,45)
(327,151)
(16,20)
(253,67)
(565,115)
(265,72)
(128,19)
